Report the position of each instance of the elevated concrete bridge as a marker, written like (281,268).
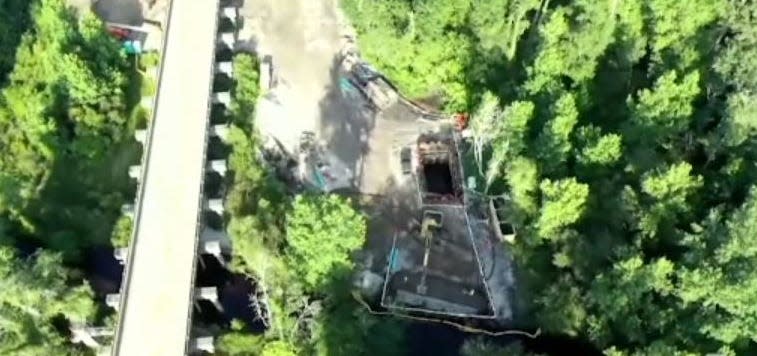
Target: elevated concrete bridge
(158,292)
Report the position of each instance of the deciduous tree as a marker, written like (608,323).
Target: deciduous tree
(321,234)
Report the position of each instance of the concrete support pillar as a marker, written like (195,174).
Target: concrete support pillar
(214,248)
(218,166)
(209,294)
(121,254)
(86,335)
(113,300)
(204,343)
(140,136)
(128,210)
(215,205)
(79,334)
(223,97)
(221,131)
(135,172)
(213,235)
(230,12)
(227,39)
(225,68)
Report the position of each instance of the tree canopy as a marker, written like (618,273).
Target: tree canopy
(63,113)
(65,138)
(321,235)
(32,294)
(624,133)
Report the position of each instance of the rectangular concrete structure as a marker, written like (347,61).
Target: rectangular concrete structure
(157,292)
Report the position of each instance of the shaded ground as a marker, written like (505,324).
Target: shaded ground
(451,282)
(127,12)
(103,271)
(303,49)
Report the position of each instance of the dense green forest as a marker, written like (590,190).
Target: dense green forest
(63,109)
(624,132)
(66,92)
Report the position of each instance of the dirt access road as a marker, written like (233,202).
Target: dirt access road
(304,39)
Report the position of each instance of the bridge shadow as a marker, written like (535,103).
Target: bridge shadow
(234,290)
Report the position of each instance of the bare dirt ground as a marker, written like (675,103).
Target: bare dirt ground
(304,40)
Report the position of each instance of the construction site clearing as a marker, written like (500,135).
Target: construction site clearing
(434,246)
(445,257)
(433,264)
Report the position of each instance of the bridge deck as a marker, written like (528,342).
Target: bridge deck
(156,296)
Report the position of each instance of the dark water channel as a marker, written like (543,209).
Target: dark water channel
(103,271)
(233,289)
(105,274)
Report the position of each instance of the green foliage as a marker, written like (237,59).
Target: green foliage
(322,232)
(480,346)
(650,105)
(345,328)
(665,110)
(278,348)
(523,183)
(562,307)
(511,137)
(246,88)
(601,150)
(631,285)
(63,134)
(561,35)
(122,232)
(673,185)
(405,38)
(255,204)
(32,294)
(499,24)
(237,342)
(555,139)
(63,116)
(563,204)
(675,28)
